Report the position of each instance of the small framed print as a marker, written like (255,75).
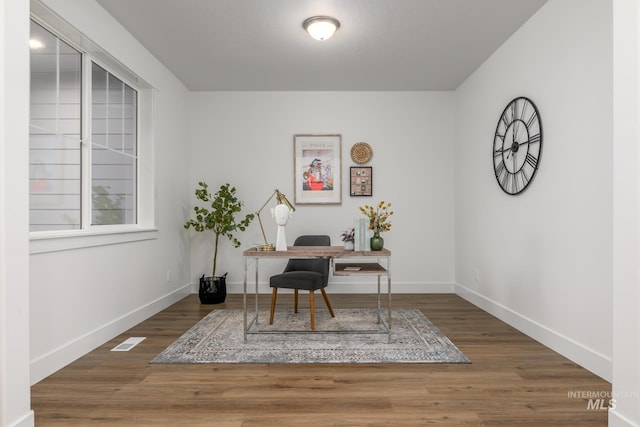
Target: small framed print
(361,183)
(317,166)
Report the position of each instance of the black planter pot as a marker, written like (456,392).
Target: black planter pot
(213,290)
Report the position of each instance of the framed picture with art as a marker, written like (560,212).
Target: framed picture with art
(361,183)
(317,169)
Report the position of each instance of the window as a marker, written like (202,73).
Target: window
(83,140)
(55,133)
(113,149)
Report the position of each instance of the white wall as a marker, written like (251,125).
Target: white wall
(544,257)
(626,197)
(246,138)
(81,298)
(15,402)
(556,284)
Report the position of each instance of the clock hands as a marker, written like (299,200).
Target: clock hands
(510,148)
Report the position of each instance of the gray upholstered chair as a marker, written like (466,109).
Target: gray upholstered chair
(307,274)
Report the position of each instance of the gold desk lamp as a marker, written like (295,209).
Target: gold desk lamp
(282,200)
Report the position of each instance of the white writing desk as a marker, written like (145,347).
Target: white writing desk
(344,263)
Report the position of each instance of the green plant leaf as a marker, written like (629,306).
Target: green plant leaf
(219,216)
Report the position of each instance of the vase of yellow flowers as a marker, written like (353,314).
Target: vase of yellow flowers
(378,222)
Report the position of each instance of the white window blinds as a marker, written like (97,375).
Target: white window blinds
(55,133)
(113,149)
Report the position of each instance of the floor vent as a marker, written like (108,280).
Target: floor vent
(128,344)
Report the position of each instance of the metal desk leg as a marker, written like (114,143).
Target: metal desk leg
(378,306)
(246,323)
(378,297)
(256,291)
(244,299)
(389,293)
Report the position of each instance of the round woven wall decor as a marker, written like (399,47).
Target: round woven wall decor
(361,153)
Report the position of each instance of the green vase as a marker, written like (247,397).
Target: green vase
(377,242)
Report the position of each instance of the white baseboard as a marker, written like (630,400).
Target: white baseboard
(584,356)
(618,420)
(363,287)
(28,420)
(51,362)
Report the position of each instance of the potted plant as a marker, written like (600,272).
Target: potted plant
(348,236)
(219,217)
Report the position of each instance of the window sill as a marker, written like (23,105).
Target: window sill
(55,242)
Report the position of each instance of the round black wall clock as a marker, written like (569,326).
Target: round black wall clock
(517,146)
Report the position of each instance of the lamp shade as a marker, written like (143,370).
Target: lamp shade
(321,27)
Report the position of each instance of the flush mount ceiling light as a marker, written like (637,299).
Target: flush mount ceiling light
(321,27)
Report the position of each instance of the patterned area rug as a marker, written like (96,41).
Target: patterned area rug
(218,338)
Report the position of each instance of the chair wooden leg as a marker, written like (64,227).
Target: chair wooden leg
(326,300)
(274,295)
(312,309)
(295,300)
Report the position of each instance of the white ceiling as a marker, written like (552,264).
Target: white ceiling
(381,44)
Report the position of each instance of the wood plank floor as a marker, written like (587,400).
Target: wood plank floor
(512,381)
